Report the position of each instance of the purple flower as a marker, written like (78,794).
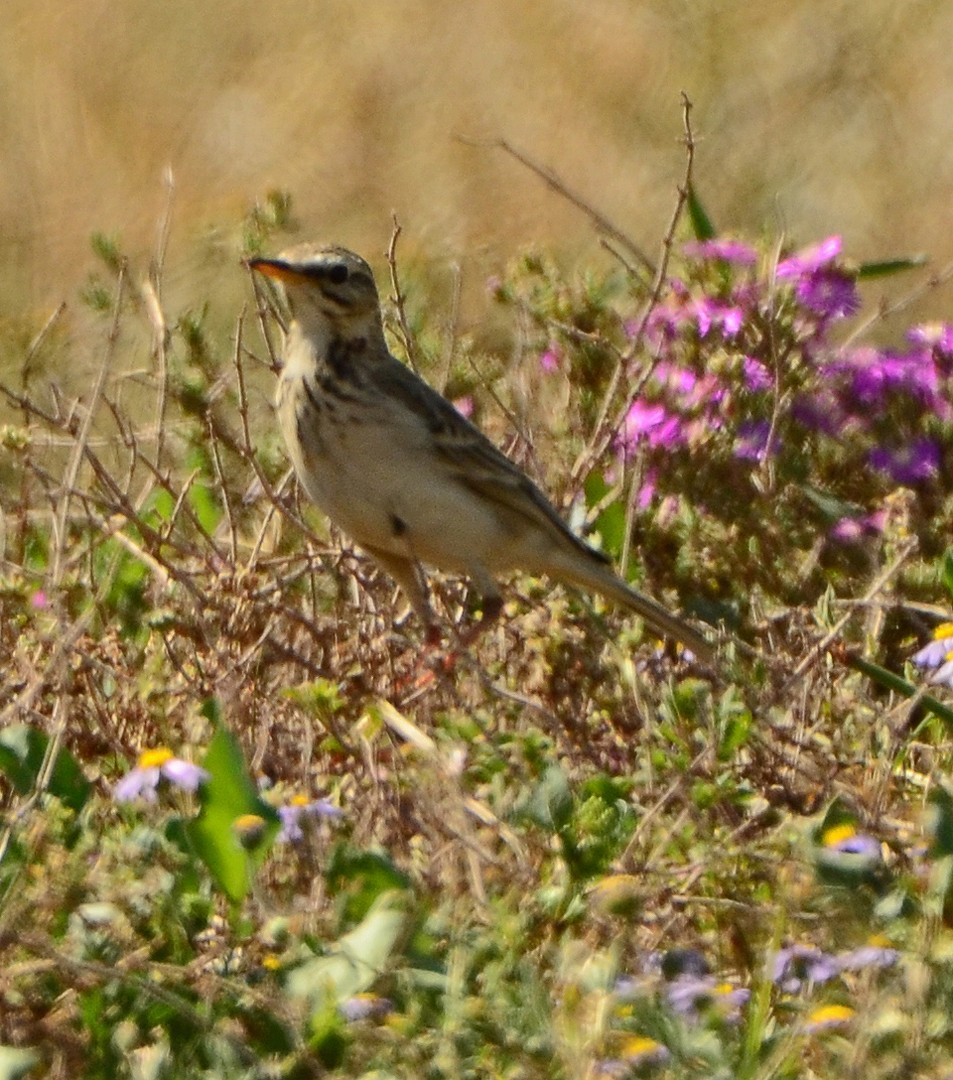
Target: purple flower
(365,1007)
(549,361)
(301,807)
(872,955)
(819,412)
(709,313)
(39,601)
(939,338)
(464,405)
(152,767)
(653,423)
(851,529)
(756,374)
(799,965)
(914,463)
(938,654)
(752,442)
(870,377)
(690,995)
(829,294)
(731,251)
(846,839)
(810,259)
(939,650)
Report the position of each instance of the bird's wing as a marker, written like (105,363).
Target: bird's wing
(476,463)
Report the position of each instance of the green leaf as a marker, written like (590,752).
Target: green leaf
(356,960)
(610,522)
(887,267)
(22,750)
(702,225)
(891,681)
(550,804)
(940,821)
(235,827)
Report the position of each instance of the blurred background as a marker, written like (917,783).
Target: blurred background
(813,117)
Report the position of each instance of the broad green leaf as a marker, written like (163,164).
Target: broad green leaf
(230,800)
(22,750)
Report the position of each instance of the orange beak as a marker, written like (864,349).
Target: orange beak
(276,268)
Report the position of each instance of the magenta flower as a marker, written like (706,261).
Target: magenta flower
(829,294)
(914,463)
(652,423)
(819,412)
(810,259)
(756,374)
(852,529)
(549,361)
(709,313)
(154,766)
(730,251)
(935,336)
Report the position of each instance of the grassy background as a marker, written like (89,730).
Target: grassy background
(813,117)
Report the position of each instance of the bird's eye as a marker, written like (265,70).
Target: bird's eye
(338,274)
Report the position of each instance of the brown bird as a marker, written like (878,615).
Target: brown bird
(397,468)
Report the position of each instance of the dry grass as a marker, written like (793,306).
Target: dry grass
(814,117)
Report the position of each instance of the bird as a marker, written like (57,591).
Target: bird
(401,471)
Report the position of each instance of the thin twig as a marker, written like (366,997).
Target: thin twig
(80,446)
(407,338)
(605,430)
(553,181)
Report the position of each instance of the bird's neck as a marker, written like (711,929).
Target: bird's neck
(337,346)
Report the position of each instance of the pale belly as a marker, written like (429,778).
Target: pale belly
(382,486)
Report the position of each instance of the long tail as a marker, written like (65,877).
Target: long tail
(603,579)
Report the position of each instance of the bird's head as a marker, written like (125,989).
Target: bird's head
(328,288)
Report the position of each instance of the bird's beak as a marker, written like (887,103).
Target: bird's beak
(277,269)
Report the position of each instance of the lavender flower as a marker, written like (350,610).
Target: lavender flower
(301,808)
(365,1007)
(690,995)
(938,654)
(800,965)
(154,766)
(875,954)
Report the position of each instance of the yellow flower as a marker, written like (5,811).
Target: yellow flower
(829,1016)
(155,759)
